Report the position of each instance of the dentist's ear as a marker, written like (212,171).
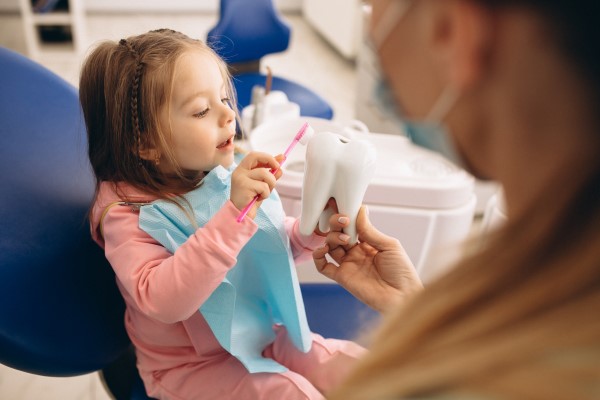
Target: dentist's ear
(462,35)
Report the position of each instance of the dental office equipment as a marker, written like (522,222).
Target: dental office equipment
(415,195)
(335,167)
(267,106)
(303,136)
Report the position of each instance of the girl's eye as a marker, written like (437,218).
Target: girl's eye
(202,113)
(226,101)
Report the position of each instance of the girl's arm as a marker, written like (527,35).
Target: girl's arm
(302,246)
(171,287)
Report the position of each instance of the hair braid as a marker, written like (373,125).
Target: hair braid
(135,120)
(124,86)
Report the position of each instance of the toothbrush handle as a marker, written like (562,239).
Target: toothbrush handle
(242,215)
(287,151)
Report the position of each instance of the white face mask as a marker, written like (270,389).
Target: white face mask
(429,132)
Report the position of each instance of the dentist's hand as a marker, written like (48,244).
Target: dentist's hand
(376,270)
(253,177)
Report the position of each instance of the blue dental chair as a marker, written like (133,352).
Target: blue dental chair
(61,314)
(248,30)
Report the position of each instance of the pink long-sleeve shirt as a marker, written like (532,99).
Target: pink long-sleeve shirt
(164,291)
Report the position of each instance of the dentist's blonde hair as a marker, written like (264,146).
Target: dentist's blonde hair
(520,319)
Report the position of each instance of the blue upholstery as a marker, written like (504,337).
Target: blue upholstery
(311,104)
(246,31)
(61,313)
(334,313)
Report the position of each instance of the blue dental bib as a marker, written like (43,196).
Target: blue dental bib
(261,290)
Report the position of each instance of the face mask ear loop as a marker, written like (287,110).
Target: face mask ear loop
(443,105)
(393,13)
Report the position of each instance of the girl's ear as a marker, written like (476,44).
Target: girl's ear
(149,154)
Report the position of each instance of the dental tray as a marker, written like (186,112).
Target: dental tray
(416,195)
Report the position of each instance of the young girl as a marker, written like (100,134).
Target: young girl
(160,122)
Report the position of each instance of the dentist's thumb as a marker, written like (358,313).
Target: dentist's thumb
(367,233)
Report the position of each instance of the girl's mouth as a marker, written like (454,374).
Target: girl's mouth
(225,143)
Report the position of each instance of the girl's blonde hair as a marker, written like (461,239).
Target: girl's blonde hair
(123,86)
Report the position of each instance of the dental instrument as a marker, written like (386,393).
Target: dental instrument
(303,136)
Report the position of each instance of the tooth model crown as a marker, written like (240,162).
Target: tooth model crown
(335,167)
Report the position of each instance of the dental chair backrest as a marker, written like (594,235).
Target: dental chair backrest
(61,314)
(248,30)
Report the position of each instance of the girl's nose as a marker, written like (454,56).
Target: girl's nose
(227,116)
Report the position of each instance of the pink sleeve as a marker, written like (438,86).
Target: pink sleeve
(171,287)
(302,246)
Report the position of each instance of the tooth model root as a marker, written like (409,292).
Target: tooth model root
(336,168)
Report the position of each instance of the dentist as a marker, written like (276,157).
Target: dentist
(511,90)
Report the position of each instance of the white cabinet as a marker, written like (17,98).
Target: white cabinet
(338,21)
(58,31)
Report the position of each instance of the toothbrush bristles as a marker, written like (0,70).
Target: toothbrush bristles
(306,132)
(302,133)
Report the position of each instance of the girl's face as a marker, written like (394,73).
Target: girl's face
(199,117)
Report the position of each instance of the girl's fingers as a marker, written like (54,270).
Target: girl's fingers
(262,189)
(259,160)
(263,175)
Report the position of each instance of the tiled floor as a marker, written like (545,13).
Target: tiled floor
(309,61)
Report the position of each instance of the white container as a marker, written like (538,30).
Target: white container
(272,106)
(416,195)
(496,214)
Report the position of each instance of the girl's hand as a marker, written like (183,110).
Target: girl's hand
(376,270)
(253,177)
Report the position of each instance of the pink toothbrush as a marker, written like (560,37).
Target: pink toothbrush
(303,135)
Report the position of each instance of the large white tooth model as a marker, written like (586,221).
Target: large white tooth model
(335,167)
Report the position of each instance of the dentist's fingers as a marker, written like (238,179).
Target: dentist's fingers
(337,240)
(336,236)
(338,253)
(337,222)
(326,268)
(369,234)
